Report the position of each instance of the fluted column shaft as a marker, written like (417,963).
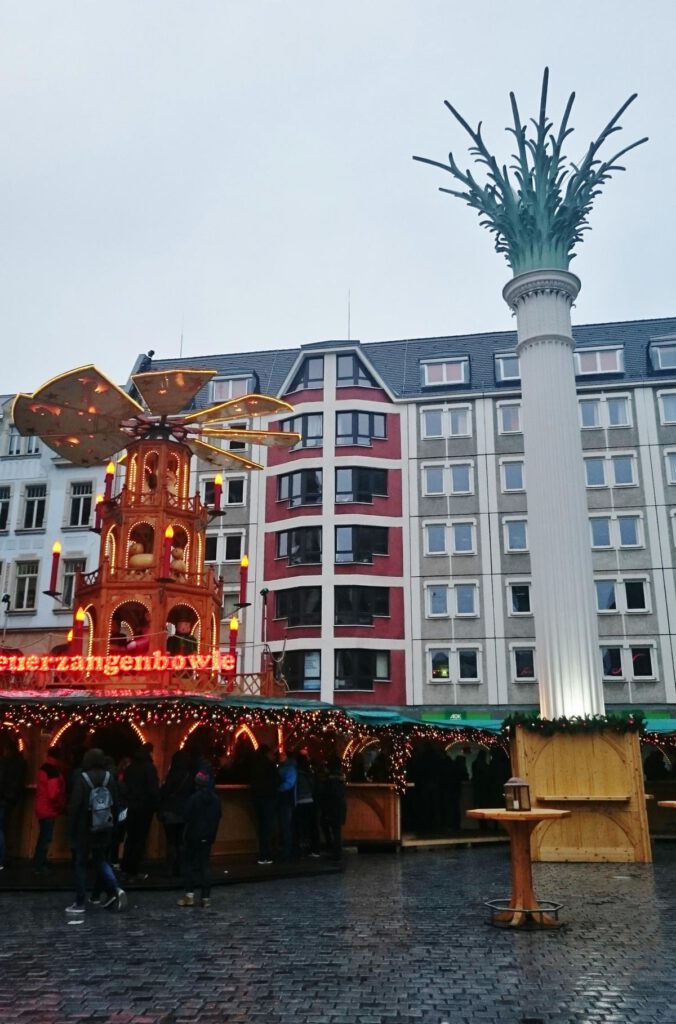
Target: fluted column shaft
(564,605)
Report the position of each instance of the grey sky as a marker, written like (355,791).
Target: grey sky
(237,165)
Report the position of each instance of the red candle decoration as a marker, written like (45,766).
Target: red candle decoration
(234,627)
(56,555)
(110,476)
(218,492)
(243,578)
(98,511)
(78,631)
(166,551)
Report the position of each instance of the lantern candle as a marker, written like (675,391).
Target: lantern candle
(78,630)
(56,554)
(98,512)
(243,578)
(110,476)
(234,627)
(218,491)
(166,552)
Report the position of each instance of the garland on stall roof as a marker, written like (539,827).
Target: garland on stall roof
(617,721)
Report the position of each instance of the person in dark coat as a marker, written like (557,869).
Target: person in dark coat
(142,788)
(174,795)
(334,806)
(286,802)
(12,784)
(84,841)
(264,784)
(202,815)
(50,802)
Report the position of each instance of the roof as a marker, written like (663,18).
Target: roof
(398,362)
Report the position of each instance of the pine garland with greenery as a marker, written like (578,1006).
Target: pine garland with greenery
(617,721)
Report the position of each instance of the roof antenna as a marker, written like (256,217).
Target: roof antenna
(180,347)
(348,314)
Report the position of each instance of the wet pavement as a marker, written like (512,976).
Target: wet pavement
(395,939)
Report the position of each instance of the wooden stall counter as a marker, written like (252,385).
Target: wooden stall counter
(522,907)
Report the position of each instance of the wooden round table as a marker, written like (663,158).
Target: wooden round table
(523,906)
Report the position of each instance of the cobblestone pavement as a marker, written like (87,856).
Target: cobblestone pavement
(394,940)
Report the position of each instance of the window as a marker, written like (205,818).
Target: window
(447,371)
(351,373)
(519,598)
(360,543)
(435,539)
(620,471)
(446,421)
(463,600)
(360,484)
(628,662)
(600,531)
(301,546)
(512,475)
(233,543)
(462,538)
(5,500)
(234,446)
(461,535)
(232,493)
(300,606)
(357,606)
(507,366)
(524,663)
(625,595)
(80,504)
(663,355)
(302,670)
(225,388)
(71,567)
(14,442)
(301,488)
(35,499)
(360,669)
(32,445)
(670,459)
(598,360)
(359,428)
(616,531)
(454,664)
(509,417)
(667,407)
(516,535)
(211,548)
(25,592)
(310,375)
(606,411)
(310,426)
(453,478)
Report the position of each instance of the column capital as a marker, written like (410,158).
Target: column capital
(560,283)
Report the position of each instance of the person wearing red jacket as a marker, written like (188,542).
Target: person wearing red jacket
(50,801)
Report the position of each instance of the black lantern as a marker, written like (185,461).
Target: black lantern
(517,795)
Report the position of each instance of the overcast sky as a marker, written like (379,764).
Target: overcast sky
(231,168)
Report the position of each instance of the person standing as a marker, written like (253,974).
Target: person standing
(264,782)
(174,795)
(92,811)
(142,788)
(202,815)
(286,803)
(307,825)
(334,804)
(50,802)
(12,783)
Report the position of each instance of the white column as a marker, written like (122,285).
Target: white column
(564,604)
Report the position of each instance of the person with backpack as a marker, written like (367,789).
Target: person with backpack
(92,812)
(50,802)
(202,815)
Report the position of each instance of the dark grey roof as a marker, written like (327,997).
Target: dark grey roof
(398,363)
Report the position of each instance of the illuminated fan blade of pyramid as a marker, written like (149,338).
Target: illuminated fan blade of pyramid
(221,459)
(243,407)
(279,438)
(78,415)
(168,392)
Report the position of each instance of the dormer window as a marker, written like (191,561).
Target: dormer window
(310,375)
(599,360)
(225,388)
(351,373)
(663,354)
(507,366)
(446,371)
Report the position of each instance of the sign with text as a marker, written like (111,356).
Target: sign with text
(119,664)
